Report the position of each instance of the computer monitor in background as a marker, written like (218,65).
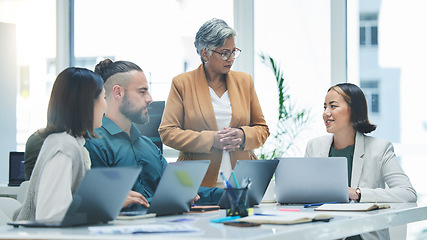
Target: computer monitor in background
(150,130)
(16,168)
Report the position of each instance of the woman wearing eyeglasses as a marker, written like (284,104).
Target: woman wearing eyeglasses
(212,112)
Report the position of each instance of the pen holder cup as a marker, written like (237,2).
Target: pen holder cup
(238,198)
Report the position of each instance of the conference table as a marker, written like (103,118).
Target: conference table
(341,225)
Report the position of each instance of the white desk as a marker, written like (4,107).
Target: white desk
(6,191)
(343,224)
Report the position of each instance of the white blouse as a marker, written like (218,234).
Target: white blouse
(222,110)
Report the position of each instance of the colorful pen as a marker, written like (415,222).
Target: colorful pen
(227,184)
(235,179)
(226,219)
(289,209)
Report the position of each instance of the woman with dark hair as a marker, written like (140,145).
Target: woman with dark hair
(76,106)
(212,112)
(372,163)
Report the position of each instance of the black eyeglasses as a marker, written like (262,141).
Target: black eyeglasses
(226,55)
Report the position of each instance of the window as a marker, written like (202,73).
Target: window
(27,30)
(297,35)
(35,23)
(371,91)
(389,76)
(368,29)
(156,35)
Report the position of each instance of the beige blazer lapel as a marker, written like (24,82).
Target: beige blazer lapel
(326,147)
(358,160)
(204,99)
(236,105)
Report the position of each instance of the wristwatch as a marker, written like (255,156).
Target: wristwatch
(359,194)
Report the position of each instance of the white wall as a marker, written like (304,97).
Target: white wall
(8,81)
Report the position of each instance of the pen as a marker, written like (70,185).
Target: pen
(227,184)
(318,204)
(235,179)
(220,220)
(237,186)
(289,209)
(263,214)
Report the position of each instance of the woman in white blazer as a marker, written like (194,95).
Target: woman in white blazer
(372,161)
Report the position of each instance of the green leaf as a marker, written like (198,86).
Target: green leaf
(291,122)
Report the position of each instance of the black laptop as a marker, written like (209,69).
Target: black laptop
(98,199)
(16,168)
(259,172)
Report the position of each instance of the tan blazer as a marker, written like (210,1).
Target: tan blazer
(374,166)
(189,122)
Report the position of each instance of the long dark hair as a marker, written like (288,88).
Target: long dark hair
(356,101)
(72,101)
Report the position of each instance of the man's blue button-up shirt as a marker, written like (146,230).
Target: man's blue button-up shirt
(114,147)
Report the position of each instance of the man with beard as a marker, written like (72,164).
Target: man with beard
(120,143)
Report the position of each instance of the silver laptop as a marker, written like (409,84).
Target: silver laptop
(312,180)
(98,199)
(259,172)
(177,188)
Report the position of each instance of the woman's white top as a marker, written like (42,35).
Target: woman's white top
(222,109)
(57,172)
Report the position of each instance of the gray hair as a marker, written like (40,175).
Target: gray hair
(211,35)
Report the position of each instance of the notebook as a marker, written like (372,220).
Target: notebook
(16,168)
(177,188)
(260,173)
(352,207)
(286,218)
(312,180)
(98,199)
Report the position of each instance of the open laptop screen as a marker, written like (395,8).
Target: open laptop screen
(259,172)
(312,180)
(16,168)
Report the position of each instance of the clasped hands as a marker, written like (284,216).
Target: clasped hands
(229,139)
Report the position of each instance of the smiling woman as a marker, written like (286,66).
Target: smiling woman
(371,162)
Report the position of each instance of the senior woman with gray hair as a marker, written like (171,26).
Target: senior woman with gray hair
(212,112)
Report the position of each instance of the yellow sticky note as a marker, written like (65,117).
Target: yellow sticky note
(184,178)
(250,211)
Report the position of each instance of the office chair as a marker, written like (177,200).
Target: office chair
(8,206)
(151,129)
(22,191)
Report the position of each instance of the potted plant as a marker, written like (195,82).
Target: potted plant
(291,123)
